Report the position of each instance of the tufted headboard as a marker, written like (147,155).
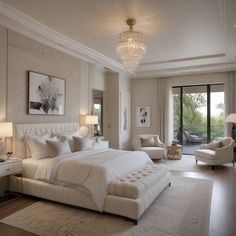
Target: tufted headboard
(20,130)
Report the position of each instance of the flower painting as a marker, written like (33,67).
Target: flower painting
(46,94)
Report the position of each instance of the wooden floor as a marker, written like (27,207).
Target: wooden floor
(223,207)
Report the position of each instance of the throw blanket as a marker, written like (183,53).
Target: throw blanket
(92,170)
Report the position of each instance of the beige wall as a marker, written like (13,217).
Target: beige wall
(26,54)
(3,72)
(115,84)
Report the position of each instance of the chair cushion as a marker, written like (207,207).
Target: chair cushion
(215,144)
(205,153)
(136,183)
(154,151)
(147,142)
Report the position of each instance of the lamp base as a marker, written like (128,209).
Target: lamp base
(233,133)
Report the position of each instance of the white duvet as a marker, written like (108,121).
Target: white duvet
(92,170)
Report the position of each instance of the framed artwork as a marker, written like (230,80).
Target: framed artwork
(124,111)
(143,116)
(46,94)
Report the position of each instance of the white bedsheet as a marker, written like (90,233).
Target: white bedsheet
(93,169)
(30,167)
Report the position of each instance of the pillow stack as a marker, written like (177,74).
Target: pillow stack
(39,147)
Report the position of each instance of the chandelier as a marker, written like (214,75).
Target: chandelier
(130,46)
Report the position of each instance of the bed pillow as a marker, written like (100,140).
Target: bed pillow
(27,141)
(82,143)
(147,142)
(38,147)
(215,144)
(70,141)
(57,148)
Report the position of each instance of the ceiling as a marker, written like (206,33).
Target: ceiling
(179,34)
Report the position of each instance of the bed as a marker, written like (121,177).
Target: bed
(123,183)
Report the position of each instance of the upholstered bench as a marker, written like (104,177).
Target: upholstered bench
(137,183)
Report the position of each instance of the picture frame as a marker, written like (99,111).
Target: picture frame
(46,94)
(143,116)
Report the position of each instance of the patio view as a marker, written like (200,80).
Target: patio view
(198,115)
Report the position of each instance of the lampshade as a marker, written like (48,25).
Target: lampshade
(91,120)
(6,129)
(130,46)
(231,118)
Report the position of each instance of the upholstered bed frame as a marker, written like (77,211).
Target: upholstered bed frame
(122,206)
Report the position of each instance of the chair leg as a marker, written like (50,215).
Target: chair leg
(196,162)
(212,168)
(233,162)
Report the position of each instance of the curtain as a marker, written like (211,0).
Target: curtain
(230,99)
(164,110)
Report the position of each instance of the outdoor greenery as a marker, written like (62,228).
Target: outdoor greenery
(193,118)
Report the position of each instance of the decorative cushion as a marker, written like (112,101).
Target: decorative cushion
(205,153)
(57,148)
(70,141)
(215,144)
(82,143)
(38,147)
(147,142)
(68,134)
(27,141)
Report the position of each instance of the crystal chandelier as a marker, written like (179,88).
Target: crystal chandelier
(131,47)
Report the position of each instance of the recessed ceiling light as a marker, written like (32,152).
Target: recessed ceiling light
(234,25)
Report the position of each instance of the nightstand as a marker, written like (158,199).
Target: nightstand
(101,144)
(10,167)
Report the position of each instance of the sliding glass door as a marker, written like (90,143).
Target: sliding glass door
(198,115)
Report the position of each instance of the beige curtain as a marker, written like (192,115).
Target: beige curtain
(164,110)
(230,98)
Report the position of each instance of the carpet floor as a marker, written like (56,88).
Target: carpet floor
(188,164)
(182,209)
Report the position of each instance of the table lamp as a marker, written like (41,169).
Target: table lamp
(91,120)
(232,119)
(6,131)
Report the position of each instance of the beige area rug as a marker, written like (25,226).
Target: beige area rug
(181,210)
(188,164)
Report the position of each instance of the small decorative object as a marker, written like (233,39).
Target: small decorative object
(143,116)
(131,47)
(91,120)
(46,94)
(6,131)
(174,152)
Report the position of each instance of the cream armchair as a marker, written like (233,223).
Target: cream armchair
(151,144)
(220,151)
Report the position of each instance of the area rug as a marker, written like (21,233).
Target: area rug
(188,164)
(182,209)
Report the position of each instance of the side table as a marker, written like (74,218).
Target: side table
(174,152)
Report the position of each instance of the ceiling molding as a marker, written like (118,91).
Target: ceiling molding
(219,55)
(40,32)
(198,69)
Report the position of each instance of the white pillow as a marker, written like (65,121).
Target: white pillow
(82,143)
(57,148)
(38,147)
(70,141)
(27,141)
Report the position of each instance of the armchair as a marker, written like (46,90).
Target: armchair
(220,151)
(151,144)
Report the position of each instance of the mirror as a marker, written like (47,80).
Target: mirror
(97,109)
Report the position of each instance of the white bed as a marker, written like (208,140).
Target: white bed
(129,190)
